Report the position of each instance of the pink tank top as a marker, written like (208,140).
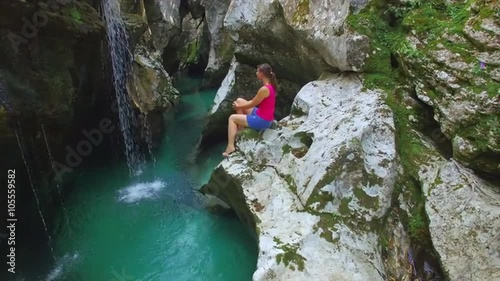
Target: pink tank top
(266,107)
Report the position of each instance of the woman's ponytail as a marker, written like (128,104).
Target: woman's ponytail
(268,72)
(273,81)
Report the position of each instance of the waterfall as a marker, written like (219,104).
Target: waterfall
(148,136)
(23,150)
(59,190)
(121,57)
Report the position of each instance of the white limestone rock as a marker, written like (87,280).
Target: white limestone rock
(313,187)
(221,44)
(464,220)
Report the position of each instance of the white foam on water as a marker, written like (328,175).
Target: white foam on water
(140,191)
(62,265)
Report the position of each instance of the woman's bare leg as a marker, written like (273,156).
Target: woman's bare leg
(234,121)
(247,111)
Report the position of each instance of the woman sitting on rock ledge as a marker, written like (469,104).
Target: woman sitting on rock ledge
(258,113)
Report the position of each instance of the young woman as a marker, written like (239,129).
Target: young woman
(258,113)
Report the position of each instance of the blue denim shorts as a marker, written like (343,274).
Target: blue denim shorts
(256,122)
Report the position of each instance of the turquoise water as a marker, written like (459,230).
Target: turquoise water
(153,227)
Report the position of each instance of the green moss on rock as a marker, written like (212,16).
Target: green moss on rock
(305,138)
(327,224)
(365,200)
(300,16)
(286,149)
(296,111)
(291,183)
(189,54)
(290,257)
(344,206)
(251,134)
(371,22)
(75,15)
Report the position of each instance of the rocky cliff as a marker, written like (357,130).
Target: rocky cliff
(55,82)
(388,173)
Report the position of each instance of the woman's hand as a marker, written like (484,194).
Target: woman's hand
(235,105)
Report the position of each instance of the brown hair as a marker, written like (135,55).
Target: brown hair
(268,72)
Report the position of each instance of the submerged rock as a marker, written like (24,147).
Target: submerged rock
(314,189)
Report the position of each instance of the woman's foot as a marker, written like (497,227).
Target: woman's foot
(228,151)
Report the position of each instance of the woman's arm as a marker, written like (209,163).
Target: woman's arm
(261,94)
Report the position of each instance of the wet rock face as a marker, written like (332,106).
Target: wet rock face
(196,8)
(149,85)
(47,50)
(164,20)
(51,63)
(315,187)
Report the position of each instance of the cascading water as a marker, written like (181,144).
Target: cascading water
(22,148)
(59,190)
(5,102)
(118,43)
(148,136)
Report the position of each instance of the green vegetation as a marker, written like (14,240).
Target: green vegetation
(415,221)
(305,138)
(189,54)
(296,112)
(408,144)
(291,183)
(286,149)
(290,257)
(417,227)
(301,13)
(481,127)
(75,15)
(364,199)
(387,26)
(327,224)
(250,134)
(344,206)
(370,22)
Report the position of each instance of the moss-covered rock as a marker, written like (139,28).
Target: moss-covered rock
(23,22)
(448,69)
(52,67)
(136,26)
(149,85)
